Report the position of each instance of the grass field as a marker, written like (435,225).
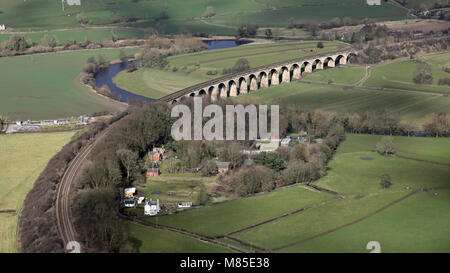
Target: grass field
(347,75)
(229,216)
(46,14)
(22,159)
(80,34)
(400,74)
(44,85)
(406,105)
(158,83)
(161,241)
(400,220)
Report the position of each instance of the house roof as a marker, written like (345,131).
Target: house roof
(152,170)
(221,165)
(130,190)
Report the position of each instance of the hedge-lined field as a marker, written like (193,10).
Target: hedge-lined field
(22,159)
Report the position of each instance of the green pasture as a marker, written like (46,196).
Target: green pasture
(80,34)
(399,75)
(44,86)
(22,158)
(153,240)
(48,14)
(420,223)
(405,105)
(231,215)
(347,75)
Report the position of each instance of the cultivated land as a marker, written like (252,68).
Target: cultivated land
(44,86)
(22,159)
(45,14)
(193,68)
(400,218)
(399,75)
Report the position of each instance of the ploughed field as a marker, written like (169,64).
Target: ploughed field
(402,218)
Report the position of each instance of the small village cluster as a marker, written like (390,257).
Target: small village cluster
(37,125)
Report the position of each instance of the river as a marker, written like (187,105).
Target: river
(105,76)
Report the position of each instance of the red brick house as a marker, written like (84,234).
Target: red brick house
(152,172)
(223,167)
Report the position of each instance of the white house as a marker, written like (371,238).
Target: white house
(73,2)
(129,192)
(2,27)
(184,205)
(152,208)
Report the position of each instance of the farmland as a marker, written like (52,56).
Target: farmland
(22,159)
(44,86)
(161,241)
(400,74)
(44,14)
(400,218)
(193,68)
(308,96)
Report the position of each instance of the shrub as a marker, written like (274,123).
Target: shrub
(385,181)
(320,45)
(82,19)
(386,146)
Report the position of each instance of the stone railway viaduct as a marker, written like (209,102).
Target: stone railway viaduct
(261,77)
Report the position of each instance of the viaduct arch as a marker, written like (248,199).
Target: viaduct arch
(262,77)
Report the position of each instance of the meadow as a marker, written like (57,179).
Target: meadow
(399,74)
(80,34)
(45,14)
(22,159)
(405,105)
(153,240)
(193,68)
(44,86)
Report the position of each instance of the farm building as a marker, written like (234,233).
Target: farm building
(223,167)
(2,27)
(129,192)
(153,172)
(184,205)
(152,207)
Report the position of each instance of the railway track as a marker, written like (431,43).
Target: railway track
(63,204)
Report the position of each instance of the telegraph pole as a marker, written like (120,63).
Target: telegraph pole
(62,2)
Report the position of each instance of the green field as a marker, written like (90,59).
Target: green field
(161,241)
(347,75)
(47,14)
(232,215)
(307,96)
(22,158)
(44,85)
(400,74)
(193,68)
(80,34)
(401,220)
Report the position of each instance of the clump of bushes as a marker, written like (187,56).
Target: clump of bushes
(241,64)
(386,146)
